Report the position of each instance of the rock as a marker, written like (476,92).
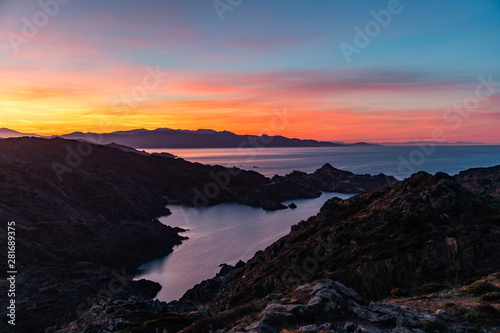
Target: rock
(292,205)
(260,327)
(327,299)
(274,296)
(483,181)
(315,328)
(440,312)
(358,328)
(389,314)
(239,264)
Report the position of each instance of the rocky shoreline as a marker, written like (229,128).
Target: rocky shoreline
(418,256)
(85,217)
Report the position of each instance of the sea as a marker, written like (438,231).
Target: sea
(229,232)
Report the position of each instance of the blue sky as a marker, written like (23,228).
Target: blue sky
(427,58)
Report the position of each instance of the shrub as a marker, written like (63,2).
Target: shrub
(449,306)
(429,288)
(479,288)
(493,296)
(483,315)
(476,318)
(398,292)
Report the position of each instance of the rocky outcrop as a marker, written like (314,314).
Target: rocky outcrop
(326,305)
(320,306)
(484,181)
(329,179)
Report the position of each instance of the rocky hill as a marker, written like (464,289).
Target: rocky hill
(485,181)
(85,218)
(416,256)
(425,229)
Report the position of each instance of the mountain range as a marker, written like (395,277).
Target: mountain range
(202,138)
(172,138)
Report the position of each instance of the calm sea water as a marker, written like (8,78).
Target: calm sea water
(220,234)
(227,233)
(398,161)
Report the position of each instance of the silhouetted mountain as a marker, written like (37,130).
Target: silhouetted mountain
(8,133)
(202,138)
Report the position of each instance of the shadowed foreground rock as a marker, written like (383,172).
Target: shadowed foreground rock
(320,306)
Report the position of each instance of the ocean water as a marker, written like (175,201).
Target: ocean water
(398,161)
(230,232)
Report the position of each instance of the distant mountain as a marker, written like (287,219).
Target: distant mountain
(202,138)
(413,143)
(8,133)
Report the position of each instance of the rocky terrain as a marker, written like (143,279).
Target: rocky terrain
(417,256)
(320,306)
(85,218)
(484,181)
(425,229)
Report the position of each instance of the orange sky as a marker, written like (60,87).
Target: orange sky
(73,76)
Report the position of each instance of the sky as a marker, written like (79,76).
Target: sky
(336,70)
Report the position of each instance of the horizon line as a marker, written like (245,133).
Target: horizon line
(390,143)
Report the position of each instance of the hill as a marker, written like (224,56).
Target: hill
(8,133)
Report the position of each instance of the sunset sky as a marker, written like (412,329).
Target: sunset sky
(76,65)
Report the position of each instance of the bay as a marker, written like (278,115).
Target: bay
(229,232)
(224,233)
